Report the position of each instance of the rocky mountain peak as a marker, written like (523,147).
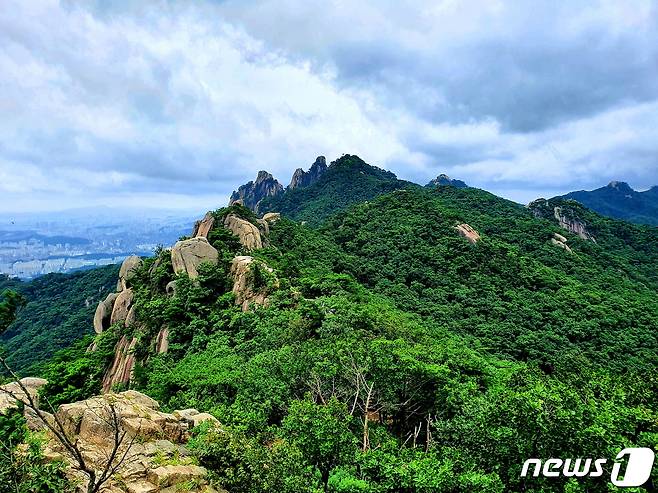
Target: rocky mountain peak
(445,180)
(253,192)
(303,178)
(263,176)
(621,186)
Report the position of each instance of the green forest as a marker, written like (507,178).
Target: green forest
(393,355)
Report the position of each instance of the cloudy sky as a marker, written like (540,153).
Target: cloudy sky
(175,104)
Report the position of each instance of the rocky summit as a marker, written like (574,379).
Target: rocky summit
(303,178)
(251,194)
(444,180)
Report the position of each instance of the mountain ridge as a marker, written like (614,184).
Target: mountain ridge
(619,200)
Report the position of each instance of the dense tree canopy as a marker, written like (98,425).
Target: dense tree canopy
(395,356)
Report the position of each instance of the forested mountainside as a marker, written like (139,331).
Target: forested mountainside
(57,313)
(428,339)
(620,201)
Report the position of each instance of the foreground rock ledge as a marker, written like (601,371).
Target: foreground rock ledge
(156,458)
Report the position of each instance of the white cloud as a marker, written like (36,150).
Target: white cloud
(173,100)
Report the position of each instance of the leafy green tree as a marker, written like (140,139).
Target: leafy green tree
(10,302)
(322,433)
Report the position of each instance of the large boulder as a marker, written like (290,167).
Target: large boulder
(248,234)
(202,228)
(155,457)
(271,217)
(127,271)
(187,255)
(468,232)
(122,305)
(11,393)
(103,313)
(246,287)
(561,242)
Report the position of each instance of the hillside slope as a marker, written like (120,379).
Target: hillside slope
(396,345)
(59,311)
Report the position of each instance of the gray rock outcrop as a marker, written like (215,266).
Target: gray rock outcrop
(162,341)
(572,224)
(203,227)
(566,213)
(444,180)
(271,217)
(187,255)
(121,371)
(156,457)
(303,178)
(251,194)
(561,242)
(11,393)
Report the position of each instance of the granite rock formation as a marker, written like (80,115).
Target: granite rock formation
(303,178)
(253,192)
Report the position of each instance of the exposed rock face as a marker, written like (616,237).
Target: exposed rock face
(127,271)
(162,341)
(170,288)
(123,365)
(245,287)
(248,234)
(187,255)
(572,224)
(122,306)
(271,217)
(560,242)
(559,238)
(202,228)
(566,215)
(264,228)
(303,178)
(468,232)
(252,193)
(157,460)
(104,313)
(31,384)
(444,180)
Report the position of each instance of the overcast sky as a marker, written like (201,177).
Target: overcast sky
(175,104)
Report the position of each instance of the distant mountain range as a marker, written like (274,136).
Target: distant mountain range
(323,190)
(620,201)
